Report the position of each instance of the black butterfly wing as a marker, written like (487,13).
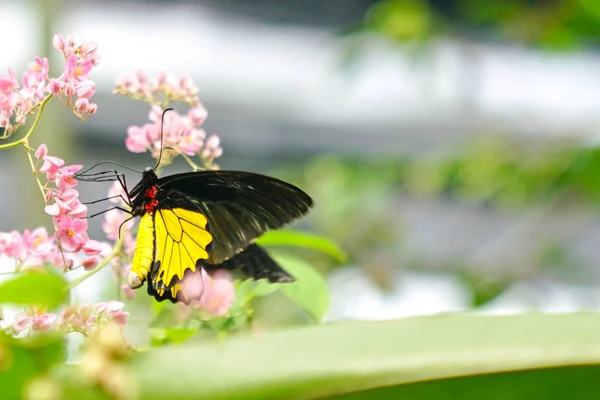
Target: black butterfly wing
(254,262)
(239,206)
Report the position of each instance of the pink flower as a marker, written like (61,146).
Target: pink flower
(180,133)
(113,311)
(37,243)
(191,141)
(39,68)
(8,83)
(76,70)
(137,139)
(11,244)
(197,115)
(218,291)
(86,89)
(63,178)
(59,43)
(77,318)
(51,166)
(37,320)
(72,233)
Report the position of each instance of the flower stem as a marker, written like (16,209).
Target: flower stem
(104,263)
(25,139)
(33,169)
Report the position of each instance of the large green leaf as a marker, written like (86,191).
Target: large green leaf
(306,240)
(35,288)
(310,290)
(440,357)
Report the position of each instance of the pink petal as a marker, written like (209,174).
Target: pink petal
(41,151)
(90,263)
(92,247)
(52,209)
(58,42)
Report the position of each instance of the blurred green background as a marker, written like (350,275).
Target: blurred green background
(450,146)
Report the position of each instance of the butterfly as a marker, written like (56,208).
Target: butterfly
(207,219)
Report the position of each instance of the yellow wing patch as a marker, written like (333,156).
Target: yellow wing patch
(175,239)
(144,252)
(181,239)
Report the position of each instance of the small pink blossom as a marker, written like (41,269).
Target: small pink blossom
(137,139)
(72,233)
(76,70)
(213,293)
(59,43)
(218,294)
(39,68)
(197,115)
(41,151)
(11,244)
(55,86)
(51,166)
(37,242)
(89,263)
(113,311)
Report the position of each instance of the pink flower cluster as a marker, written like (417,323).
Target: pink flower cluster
(30,250)
(68,213)
(85,318)
(16,102)
(34,248)
(181,133)
(163,89)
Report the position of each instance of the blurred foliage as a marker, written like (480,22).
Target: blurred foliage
(550,24)
(35,287)
(357,201)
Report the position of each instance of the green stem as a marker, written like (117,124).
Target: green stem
(33,169)
(104,263)
(25,139)
(189,161)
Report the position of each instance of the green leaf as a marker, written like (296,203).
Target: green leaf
(23,359)
(306,240)
(35,288)
(263,288)
(439,357)
(310,290)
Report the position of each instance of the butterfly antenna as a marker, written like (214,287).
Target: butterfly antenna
(106,162)
(162,137)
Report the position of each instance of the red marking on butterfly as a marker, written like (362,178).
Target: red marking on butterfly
(151,194)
